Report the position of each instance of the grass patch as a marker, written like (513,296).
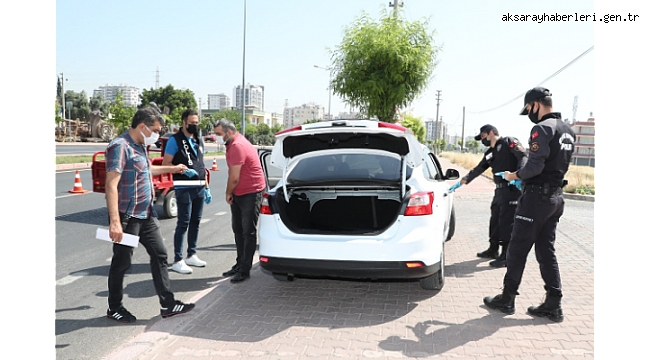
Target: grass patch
(580,178)
(79,159)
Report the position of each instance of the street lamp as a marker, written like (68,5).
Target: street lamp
(243,77)
(329,104)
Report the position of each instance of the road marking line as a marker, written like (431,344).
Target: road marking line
(221,213)
(204,221)
(71,278)
(68,195)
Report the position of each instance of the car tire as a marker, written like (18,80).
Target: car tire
(282,277)
(452,224)
(170,208)
(437,280)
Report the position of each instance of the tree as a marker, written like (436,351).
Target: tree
(99,103)
(385,65)
(473,145)
(441,144)
(415,124)
(80,106)
(120,114)
(169,97)
(276,128)
(57,109)
(232,115)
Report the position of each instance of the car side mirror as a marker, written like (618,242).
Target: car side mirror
(451,174)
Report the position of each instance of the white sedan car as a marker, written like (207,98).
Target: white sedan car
(357,199)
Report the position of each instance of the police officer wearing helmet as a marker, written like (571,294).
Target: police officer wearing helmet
(540,206)
(503,153)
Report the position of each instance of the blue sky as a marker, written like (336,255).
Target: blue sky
(484,62)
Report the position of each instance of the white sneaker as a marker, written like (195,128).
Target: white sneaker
(195,261)
(181,267)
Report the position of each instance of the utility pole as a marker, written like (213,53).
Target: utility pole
(462,132)
(396,7)
(435,139)
(243,77)
(157,78)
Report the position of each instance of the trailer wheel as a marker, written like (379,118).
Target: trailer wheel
(171,211)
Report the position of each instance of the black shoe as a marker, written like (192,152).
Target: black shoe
(505,302)
(550,308)
(177,308)
(230,272)
(500,261)
(122,315)
(489,254)
(239,277)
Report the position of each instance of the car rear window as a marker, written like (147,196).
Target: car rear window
(347,166)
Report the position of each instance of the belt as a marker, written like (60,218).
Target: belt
(502,185)
(538,189)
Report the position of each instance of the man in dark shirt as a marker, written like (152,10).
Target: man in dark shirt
(540,206)
(503,154)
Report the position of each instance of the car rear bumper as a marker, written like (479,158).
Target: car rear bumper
(347,268)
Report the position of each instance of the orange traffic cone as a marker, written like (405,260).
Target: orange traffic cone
(78,189)
(214,165)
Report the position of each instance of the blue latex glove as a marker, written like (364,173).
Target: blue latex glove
(208,196)
(502,174)
(190,173)
(455,186)
(516,183)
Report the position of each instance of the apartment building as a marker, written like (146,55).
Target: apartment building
(432,133)
(130,94)
(253,96)
(218,101)
(585,142)
(294,116)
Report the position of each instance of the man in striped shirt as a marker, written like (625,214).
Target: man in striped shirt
(129,198)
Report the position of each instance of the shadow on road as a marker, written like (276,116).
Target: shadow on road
(97,217)
(138,289)
(447,336)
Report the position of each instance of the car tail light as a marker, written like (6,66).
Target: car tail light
(264,207)
(264,259)
(391,126)
(420,203)
(295,128)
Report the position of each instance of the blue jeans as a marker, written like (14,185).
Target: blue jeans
(245,211)
(189,202)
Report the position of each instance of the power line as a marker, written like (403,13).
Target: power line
(543,81)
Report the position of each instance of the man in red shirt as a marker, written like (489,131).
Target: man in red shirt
(246,185)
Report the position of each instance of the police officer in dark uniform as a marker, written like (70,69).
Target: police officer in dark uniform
(540,206)
(503,154)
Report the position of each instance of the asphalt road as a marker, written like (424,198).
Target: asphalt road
(82,263)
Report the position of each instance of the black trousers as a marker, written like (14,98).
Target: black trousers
(502,218)
(245,210)
(536,220)
(151,238)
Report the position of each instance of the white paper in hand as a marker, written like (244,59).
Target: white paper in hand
(127,239)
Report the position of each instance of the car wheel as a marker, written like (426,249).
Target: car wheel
(452,224)
(437,280)
(170,208)
(282,277)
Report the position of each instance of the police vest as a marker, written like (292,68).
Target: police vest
(185,155)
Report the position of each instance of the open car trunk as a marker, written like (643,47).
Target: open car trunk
(341,210)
